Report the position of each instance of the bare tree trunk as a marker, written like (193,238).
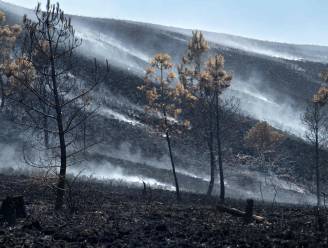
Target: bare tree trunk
(177,189)
(45,119)
(168,140)
(50,43)
(211,150)
(3,94)
(262,197)
(213,167)
(317,163)
(218,138)
(45,128)
(62,174)
(317,174)
(46,132)
(63,159)
(84,136)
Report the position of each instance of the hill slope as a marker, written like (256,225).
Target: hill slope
(273,82)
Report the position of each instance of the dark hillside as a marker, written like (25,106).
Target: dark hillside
(270,88)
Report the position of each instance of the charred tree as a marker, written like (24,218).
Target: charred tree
(315,121)
(53,100)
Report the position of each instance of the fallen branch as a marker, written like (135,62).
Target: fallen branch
(248,215)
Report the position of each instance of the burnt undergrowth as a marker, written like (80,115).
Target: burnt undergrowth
(104,215)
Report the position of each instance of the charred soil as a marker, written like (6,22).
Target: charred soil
(102,215)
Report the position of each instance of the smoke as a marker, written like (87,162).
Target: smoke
(262,105)
(124,153)
(110,113)
(255,103)
(256,49)
(241,181)
(11,156)
(104,47)
(107,171)
(284,51)
(18,11)
(103,96)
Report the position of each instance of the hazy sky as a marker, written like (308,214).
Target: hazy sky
(293,21)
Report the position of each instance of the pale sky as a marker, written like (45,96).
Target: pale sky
(292,21)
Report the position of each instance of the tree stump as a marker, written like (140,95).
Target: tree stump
(320,221)
(13,208)
(249,210)
(144,191)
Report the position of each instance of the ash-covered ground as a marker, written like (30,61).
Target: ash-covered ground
(105,215)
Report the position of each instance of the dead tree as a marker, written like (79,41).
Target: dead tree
(45,88)
(264,140)
(315,120)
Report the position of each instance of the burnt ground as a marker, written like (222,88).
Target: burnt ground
(103,215)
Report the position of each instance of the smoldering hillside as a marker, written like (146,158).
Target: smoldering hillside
(273,82)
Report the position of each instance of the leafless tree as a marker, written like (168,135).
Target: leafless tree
(315,119)
(265,140)
(44,85)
